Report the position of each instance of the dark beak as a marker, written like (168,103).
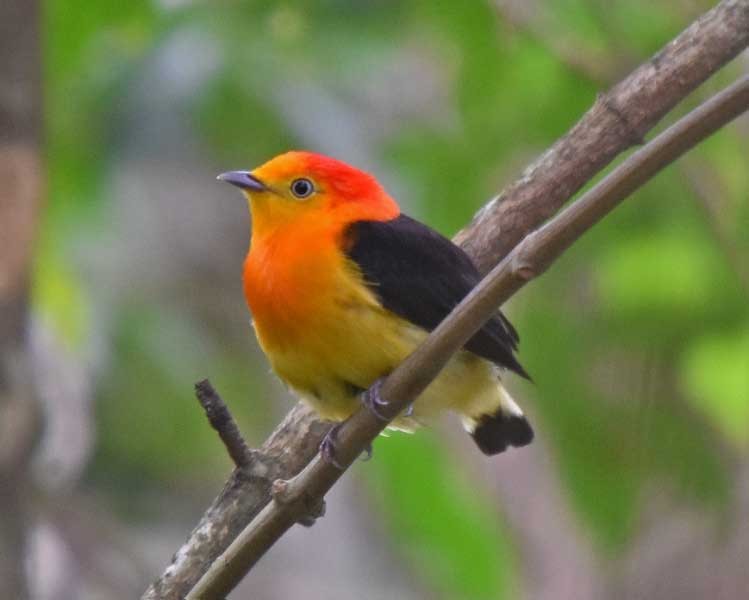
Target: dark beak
(243,180)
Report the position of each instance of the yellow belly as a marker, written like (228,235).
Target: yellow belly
(351,342)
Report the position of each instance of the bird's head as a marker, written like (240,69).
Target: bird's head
(303,187)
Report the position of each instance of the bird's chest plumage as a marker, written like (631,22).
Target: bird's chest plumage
(323,330)
(286,288)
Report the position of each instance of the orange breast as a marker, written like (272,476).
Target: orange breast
(290,282)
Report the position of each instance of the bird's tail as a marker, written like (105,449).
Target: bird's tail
(506,426)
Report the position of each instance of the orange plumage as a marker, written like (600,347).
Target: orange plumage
(342,287)
(290,271)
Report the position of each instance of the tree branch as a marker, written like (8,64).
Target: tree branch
(619,119)
(721,33)
(221,420)
(528,260)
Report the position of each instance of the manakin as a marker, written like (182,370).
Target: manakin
(342,287)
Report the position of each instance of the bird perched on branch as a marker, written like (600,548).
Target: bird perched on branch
(342,287)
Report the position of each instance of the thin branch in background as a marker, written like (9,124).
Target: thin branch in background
(221,420)
(647,94)
(528,260)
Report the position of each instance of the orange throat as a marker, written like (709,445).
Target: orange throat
(290,281)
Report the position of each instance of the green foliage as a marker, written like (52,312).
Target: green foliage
(154,427)
(715,373)
(594,454)
(228,116)
(665,279)
(149,391)
(89,54)
(445,528)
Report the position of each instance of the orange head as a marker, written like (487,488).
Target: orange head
(302,204)
(310,191)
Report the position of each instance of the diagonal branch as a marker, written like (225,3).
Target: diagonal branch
(619,119)
(653,89)
(528,260)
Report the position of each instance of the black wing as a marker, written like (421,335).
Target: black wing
(421,276)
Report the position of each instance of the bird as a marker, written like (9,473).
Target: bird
(342,286)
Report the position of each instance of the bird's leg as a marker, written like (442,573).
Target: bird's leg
(372,399)
(328,446)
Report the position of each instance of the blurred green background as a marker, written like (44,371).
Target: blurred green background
(637,339)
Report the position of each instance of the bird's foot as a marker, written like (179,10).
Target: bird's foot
(409,410)
(328,446)
(372,399)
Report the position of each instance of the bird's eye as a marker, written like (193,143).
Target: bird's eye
(302,188)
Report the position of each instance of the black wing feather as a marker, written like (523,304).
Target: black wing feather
(421,276)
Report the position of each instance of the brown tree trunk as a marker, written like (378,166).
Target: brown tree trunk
(20,195)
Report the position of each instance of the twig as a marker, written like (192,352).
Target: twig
(529,259)
(709,43)
(221,420)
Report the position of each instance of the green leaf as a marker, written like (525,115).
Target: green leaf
(714,372)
